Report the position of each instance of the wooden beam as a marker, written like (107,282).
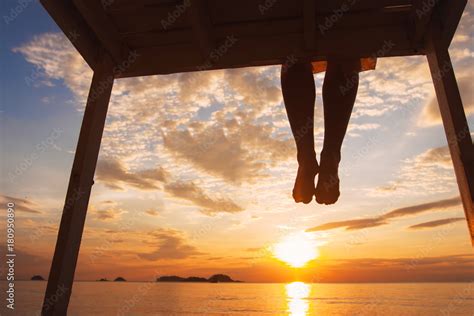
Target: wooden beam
(450,12)
(454,120)
(421,16)
(201,26)
(75,28)
(61,275)
(272,49)
(309,22)
(106,32)
(272,28)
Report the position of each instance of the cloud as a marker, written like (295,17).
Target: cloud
(431,115)
(113,174)
(55,58)
(425,207)
(350,224)
(254,87)
(384,219)
(21,205)
(439,156)
(191,192)
(437,223)
(234,149)
(108,214)
(171,244)
(152,212)
(428,172)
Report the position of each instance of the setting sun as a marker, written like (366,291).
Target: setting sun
(296,249)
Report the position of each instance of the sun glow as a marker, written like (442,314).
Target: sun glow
(298,293)
(296,249)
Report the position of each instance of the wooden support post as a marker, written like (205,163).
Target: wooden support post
(61,275)
(454,120)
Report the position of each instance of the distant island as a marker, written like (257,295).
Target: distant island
(120,279)
(102,280)
(37,278)
(216,278)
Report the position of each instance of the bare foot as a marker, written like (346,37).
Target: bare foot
(327,190)
(303,190)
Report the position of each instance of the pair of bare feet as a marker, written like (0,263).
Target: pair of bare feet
(327,189)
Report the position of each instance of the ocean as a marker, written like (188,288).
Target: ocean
(296,299)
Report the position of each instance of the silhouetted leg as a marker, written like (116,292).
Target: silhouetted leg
(299,95)
(339,94)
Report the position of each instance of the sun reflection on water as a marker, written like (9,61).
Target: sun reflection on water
(297,293)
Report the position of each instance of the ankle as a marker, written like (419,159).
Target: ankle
(330,159)
(307,159)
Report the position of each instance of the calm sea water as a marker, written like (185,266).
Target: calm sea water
(297,299)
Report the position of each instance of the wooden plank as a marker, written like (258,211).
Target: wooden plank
(202,27)
(133,4)
(271,50)
(146,17)
(454,120)
(61,275)
(75,28)
(259,6)
(352,21)
(165,17)
(223,12)
(309,20)
(106,32)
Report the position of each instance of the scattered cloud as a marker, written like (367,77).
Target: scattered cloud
(234,149)
(191,192)
(421,208)
(438,156)
(430,171)
(384,219)
(350,224)
(21,205)
(437,223)
(171,244)
(152,212)
(108,214)
(113,174)
(431,115)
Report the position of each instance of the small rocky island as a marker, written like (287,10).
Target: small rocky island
(37,278)
(103,280)
(216,278)
(120,279)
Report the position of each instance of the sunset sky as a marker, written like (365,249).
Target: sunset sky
(196,170)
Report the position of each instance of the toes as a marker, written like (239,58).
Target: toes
(303,190)
(302,199)
(327,190)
